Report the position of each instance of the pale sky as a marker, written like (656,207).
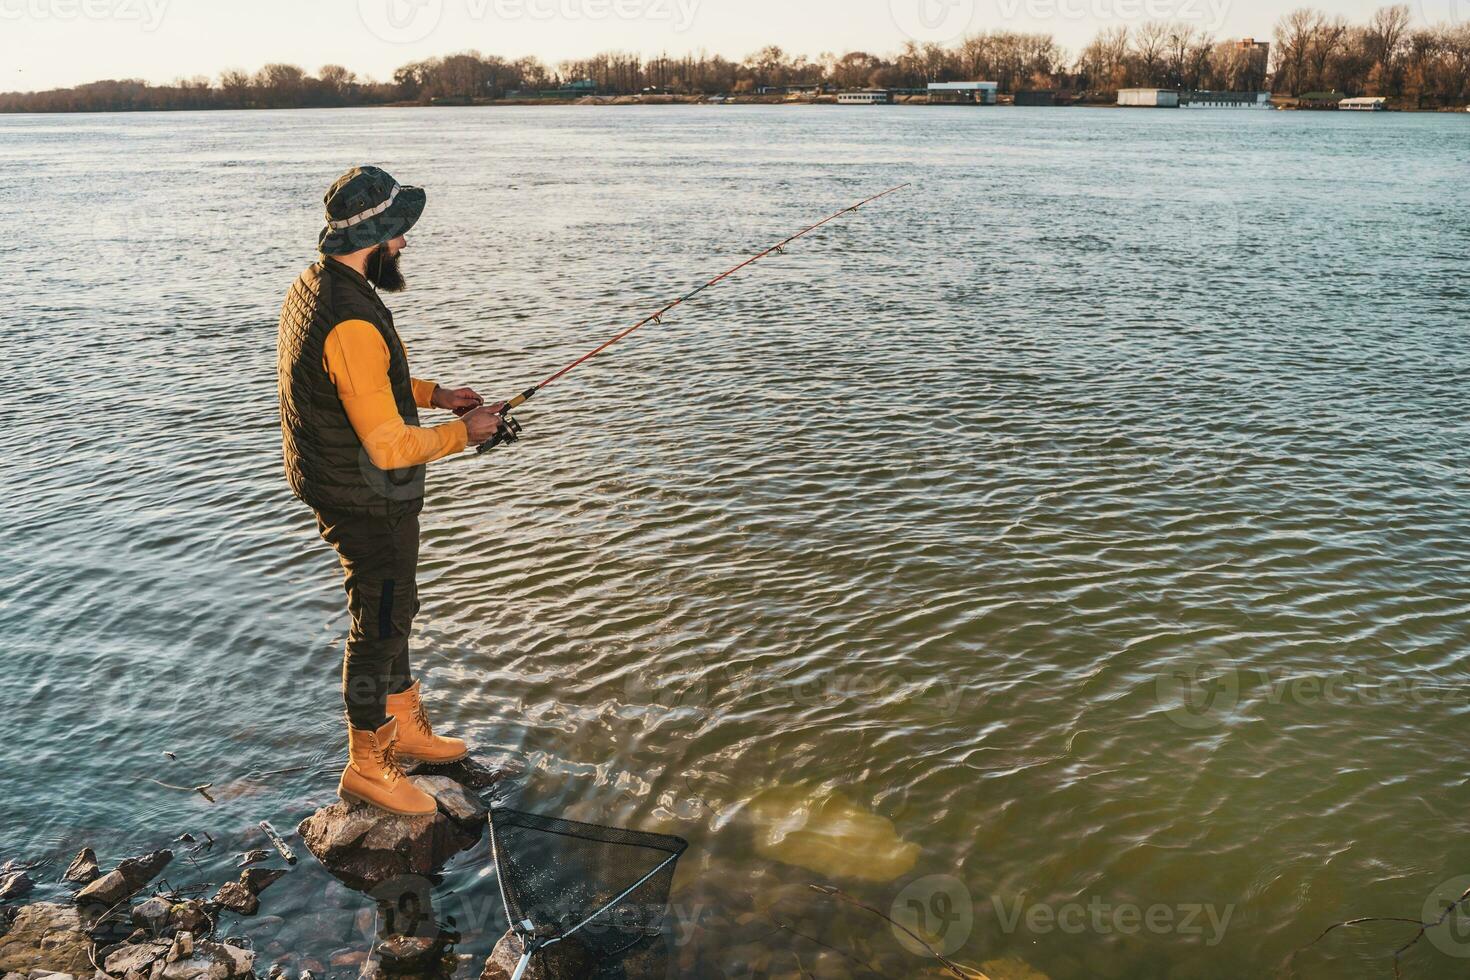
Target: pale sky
(50,43)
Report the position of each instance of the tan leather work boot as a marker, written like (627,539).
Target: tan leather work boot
(373,775)
(416,738)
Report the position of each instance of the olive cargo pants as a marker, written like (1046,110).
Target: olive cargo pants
(379,558)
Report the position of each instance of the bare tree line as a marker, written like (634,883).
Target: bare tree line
(1311,51)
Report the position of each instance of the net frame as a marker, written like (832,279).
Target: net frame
(668,847)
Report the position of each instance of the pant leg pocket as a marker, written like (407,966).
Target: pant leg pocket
(397,606)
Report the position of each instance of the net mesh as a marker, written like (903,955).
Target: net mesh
(603,888)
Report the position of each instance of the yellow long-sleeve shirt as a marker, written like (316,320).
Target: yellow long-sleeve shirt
(357,362)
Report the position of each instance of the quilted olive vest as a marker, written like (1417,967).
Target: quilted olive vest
(326,463)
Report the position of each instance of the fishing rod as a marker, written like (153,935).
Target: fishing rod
(510,429)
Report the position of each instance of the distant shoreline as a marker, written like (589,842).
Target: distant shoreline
(656,100)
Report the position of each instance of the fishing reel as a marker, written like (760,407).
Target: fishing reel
(509,432)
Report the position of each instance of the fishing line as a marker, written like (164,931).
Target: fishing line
(510,429)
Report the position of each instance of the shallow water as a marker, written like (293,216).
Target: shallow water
(1092,515)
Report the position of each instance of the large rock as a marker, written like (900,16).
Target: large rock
(365,847)
(83,869)
(126,880)
(469,772)
(211,961)
(46,937)
(182,959)
(565,961)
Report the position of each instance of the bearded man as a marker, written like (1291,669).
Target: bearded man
(356,453)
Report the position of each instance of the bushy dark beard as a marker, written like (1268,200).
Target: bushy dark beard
(383,271)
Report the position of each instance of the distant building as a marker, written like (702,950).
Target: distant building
(1263,48)
(963,93)
(1150,98)
(870,96)
(1227,100)
(1365,104)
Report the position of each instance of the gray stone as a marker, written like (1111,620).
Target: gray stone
(153,914)
(210,961)
(46,937)
(126,880)
(252,857)
(83,869)
(237,898)
(455,802)
(364,847)
(564,961)
(135,958)
(15,884)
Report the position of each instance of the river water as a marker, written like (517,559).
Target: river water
(1066,555)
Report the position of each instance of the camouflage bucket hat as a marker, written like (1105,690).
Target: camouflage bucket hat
(367,207)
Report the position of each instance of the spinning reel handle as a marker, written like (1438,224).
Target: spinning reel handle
(509,432)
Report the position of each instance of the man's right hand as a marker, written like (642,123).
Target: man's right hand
(483,423)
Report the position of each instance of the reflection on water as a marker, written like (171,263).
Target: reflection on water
(1022,520)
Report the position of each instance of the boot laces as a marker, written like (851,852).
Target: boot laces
(388,759)
(421,719)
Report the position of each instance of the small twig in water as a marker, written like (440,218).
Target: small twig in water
(813,939)
(1424,927)
(963,972)
(284,772)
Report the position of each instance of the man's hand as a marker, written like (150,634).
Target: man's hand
(457,400)
(483,423)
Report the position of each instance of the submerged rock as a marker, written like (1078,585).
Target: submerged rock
(46,937)
(829,834)
(126,880)
(365,847)
(411,956)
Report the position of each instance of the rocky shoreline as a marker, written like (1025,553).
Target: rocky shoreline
(124,923)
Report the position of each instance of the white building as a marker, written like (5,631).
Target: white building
(1153,98)
(872,96)
(1364,104)
(1227,100)
(964,93)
